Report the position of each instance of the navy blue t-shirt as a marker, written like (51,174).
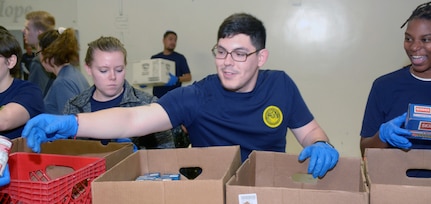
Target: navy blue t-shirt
(257,120)
(389,97)
(26,94)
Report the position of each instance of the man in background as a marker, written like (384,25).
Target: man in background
(36,23)
(182,74)
(182,71)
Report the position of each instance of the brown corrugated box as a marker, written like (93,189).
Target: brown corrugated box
(386,175)
(218,164)
(278,178)
(112,152)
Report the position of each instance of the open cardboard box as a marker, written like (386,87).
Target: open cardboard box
(218,164)
(112,152)
(386,175)
(279,178)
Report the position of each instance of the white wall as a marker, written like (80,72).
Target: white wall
(333,49)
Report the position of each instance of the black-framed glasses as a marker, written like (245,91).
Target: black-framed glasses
(237,55)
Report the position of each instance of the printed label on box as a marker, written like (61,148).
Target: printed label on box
(247,198)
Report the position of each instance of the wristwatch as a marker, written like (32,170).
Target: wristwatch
(326,142)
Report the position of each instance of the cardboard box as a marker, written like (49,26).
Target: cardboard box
(418,121)
(278,178)
(386,176)
(112,152)
(218,164)
(152,71)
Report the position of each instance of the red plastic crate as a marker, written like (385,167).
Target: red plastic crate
(31,183)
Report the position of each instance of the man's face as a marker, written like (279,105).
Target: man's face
(31,33)
(170,42)
(239,76)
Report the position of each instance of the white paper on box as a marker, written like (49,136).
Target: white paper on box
(247,198)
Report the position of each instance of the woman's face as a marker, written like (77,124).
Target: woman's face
(417,44)
(108,72)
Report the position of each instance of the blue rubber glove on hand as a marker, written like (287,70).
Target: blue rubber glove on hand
(121,140)
(323,157)
(5,179)
(48,127)
(172,81)
(392,133)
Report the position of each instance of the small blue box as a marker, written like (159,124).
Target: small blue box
(418,121)
(172,177)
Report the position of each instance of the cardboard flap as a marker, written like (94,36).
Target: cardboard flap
(113,152)
(390,166)
(212,161)
(282,170)
(274,177)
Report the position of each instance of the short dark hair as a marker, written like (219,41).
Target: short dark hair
(423,11)
(243,23)
(9,46)
(169,32)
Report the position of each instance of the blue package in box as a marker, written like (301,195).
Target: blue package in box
(418,121)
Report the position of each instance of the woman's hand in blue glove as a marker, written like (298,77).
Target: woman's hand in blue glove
(392,133)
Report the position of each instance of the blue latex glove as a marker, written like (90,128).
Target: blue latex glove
(121,140)
(323,158)
(5,179)
(392,133)
(48,127)
(172,81)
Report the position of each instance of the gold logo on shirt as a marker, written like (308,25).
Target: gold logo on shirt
(272,116)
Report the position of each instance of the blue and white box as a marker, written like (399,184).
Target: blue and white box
(418,121)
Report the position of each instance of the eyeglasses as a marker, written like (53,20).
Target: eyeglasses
(37,53)
(237,55)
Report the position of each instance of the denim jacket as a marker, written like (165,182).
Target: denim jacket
(131,97)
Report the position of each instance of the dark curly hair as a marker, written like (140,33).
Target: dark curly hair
(423,11)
